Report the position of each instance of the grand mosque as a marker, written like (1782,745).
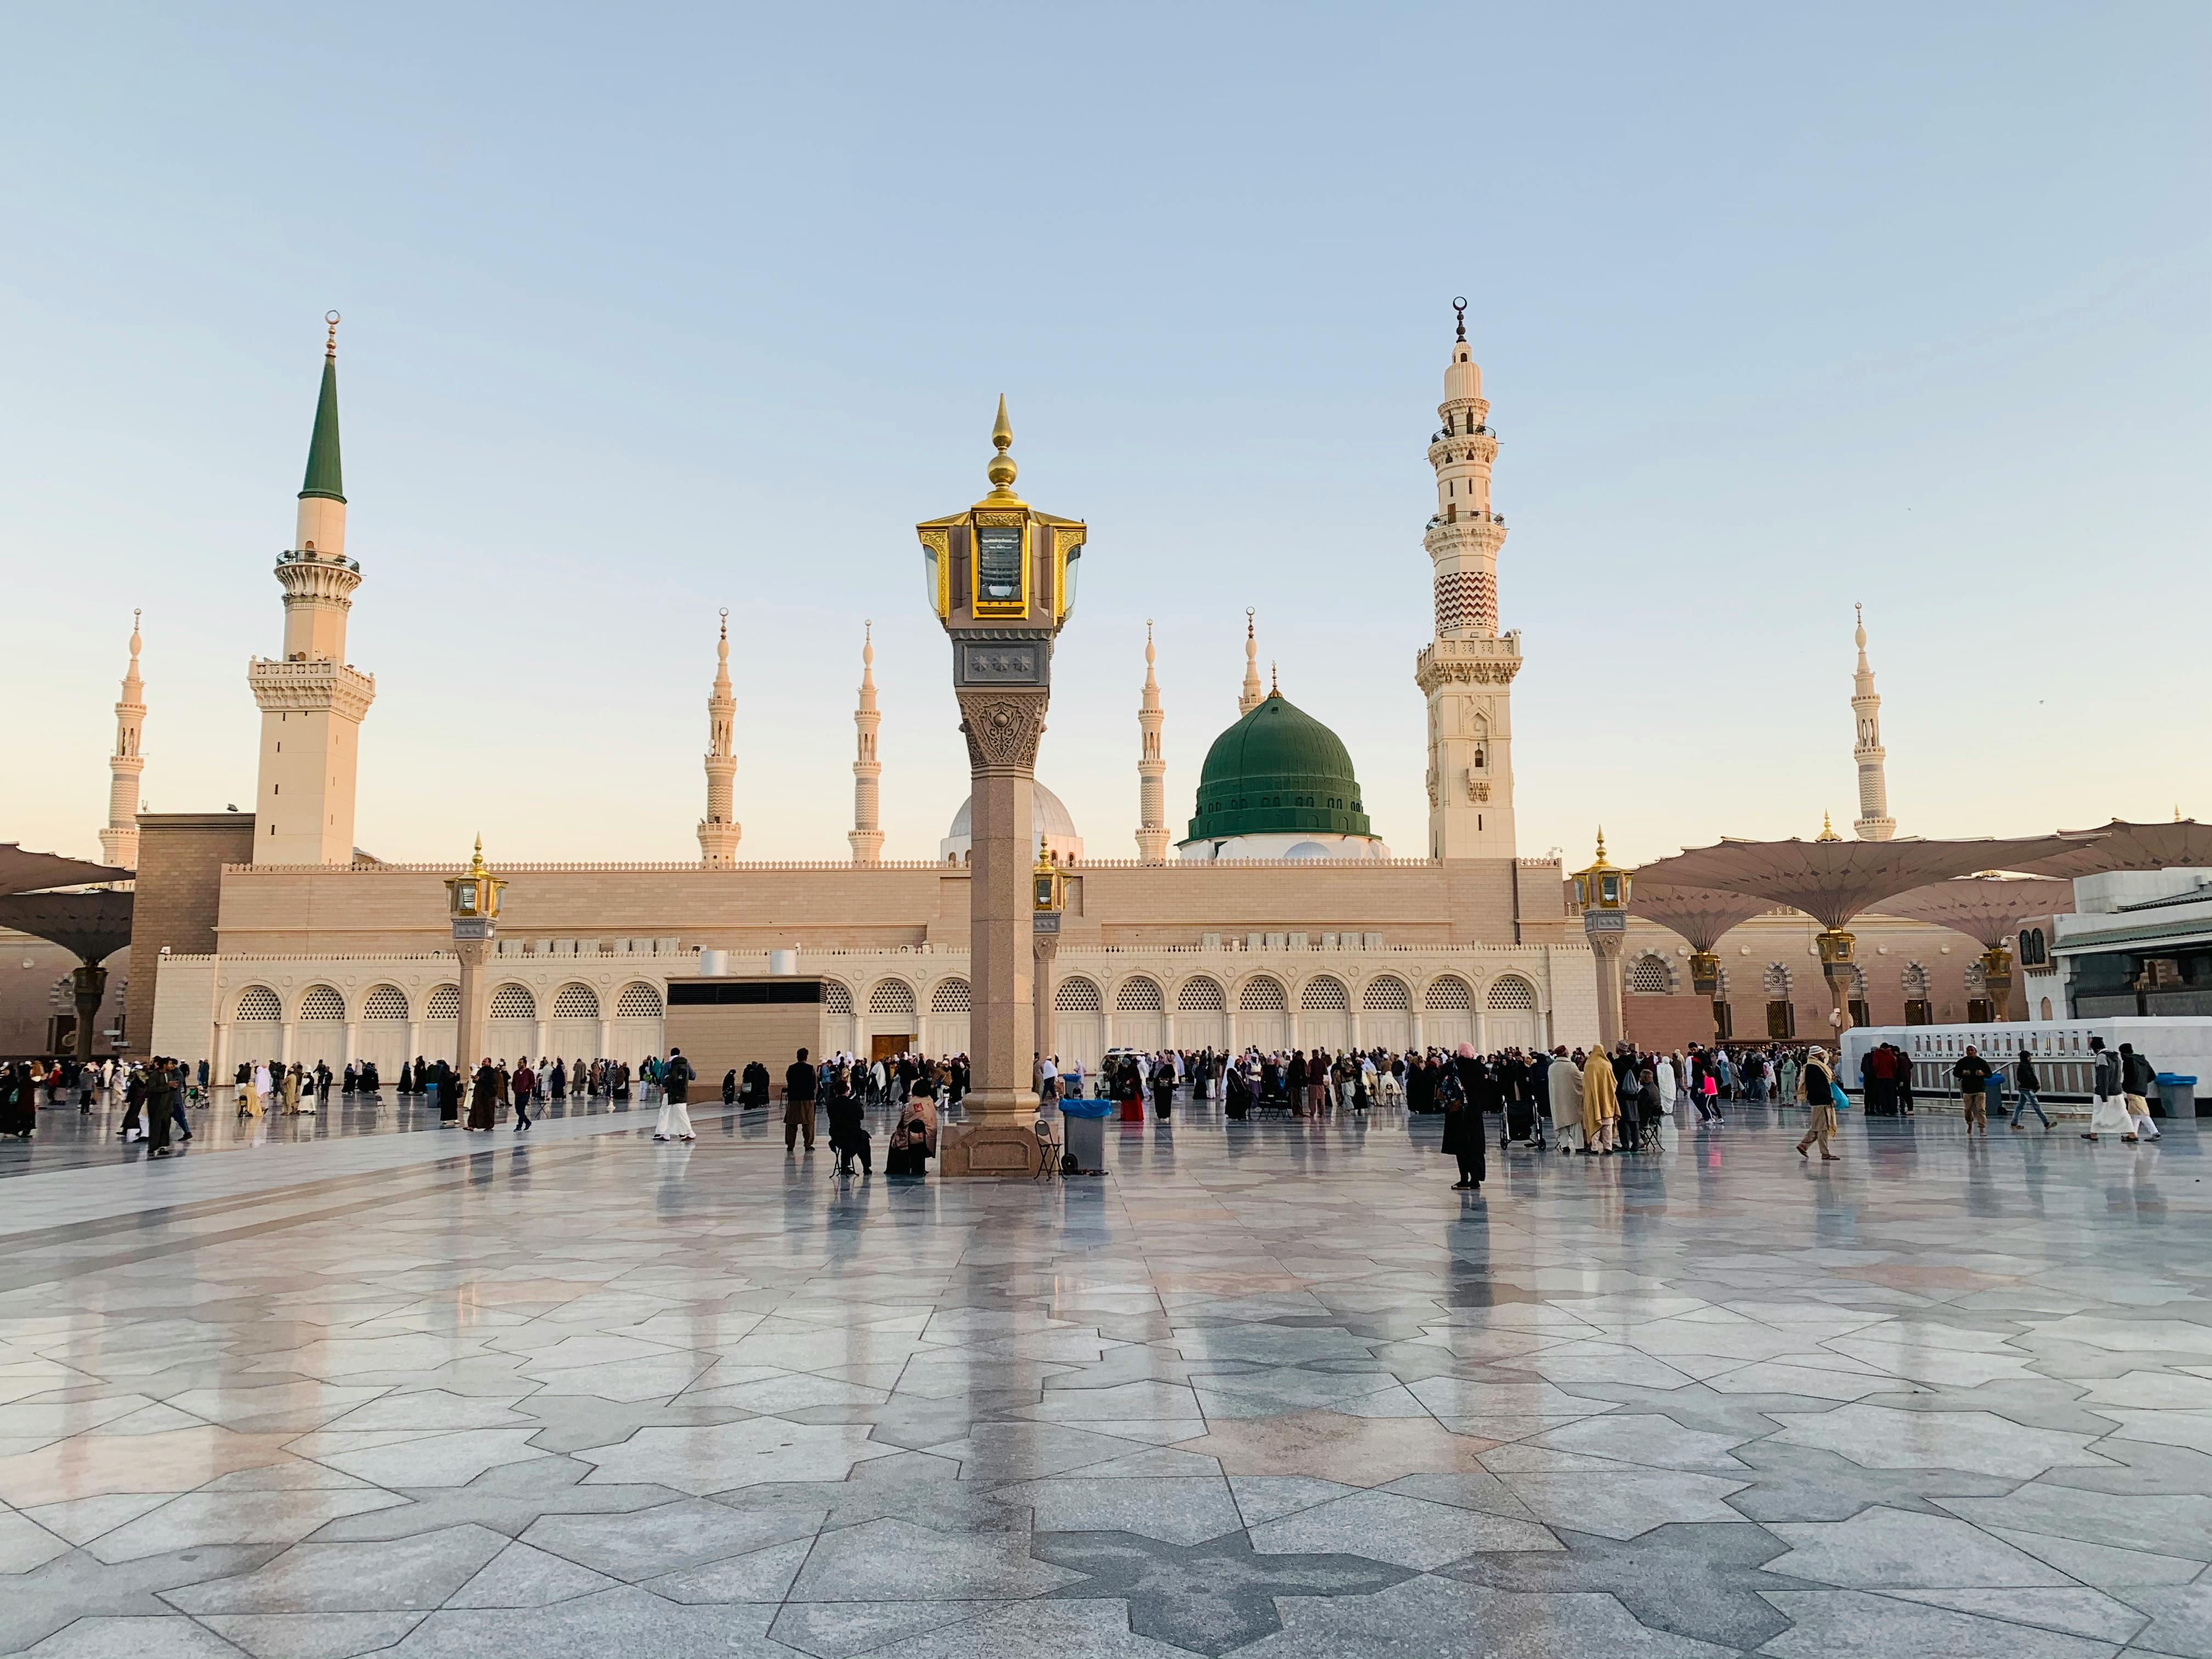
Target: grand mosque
(1271,916)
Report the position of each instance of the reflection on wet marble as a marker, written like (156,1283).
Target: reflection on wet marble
(1271,1389)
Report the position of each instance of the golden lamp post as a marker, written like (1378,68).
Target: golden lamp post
(1001,578)
(472,906)
(1601,892)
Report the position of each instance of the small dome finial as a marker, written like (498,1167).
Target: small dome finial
(1149,656)
(1458,312)
(1274,681)
(331,347)
(1001,471)
(867,642)
(1827,829)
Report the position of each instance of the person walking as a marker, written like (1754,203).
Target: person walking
(2028,1083)
(675,1077)
(1564,1086)
(2138,1083)
(2107,1109)
(799,1103)
(1601,1103)
(157,1108)
(484,1097)
(1973,1073)
(526,1084)
(1816,1090)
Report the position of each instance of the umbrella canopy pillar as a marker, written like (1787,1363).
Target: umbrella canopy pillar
(89,984)
(1835,947)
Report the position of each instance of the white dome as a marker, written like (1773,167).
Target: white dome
(1055,830)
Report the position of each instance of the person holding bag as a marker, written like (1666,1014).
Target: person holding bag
(1816,1090)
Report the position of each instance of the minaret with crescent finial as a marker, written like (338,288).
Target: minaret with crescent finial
(119,843)
(1466,672)
(867,836)
(1152,833)
(719,831)
(1251,697)
(1873,822)
(312,700)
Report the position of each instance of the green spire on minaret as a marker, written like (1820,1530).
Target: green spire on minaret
(324,477)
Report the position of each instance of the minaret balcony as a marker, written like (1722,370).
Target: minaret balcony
(1493,661)
(310,687)
(1480,445)
(308,556)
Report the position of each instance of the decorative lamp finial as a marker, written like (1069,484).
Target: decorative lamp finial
(1601,843)
(1149,655)
(867,642)
(1459,311)
(1827,829)
(331,347)
(1001,471)
(1274,682)
(477,863)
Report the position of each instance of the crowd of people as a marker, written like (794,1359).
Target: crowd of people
(1591,1103)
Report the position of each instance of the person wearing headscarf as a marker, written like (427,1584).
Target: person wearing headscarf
(1563,1083)
(914,1141)
(484,1097)
(1601,1102)
(1816,1090)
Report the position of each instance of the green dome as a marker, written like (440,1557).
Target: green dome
(1277,771)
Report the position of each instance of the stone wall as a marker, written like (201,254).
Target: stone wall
(337,910)
(178,891)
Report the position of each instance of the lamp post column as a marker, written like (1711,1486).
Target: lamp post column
(1606,930)
(1002,727)
(472,952)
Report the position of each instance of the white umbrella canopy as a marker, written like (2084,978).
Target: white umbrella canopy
(1984,908)
(2183,844)
(1833,881)
(1699,915)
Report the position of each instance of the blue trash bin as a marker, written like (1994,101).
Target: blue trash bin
(2176,1095)
(1083,1132)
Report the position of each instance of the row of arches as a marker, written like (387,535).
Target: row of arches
(318,1004)
(388,1027)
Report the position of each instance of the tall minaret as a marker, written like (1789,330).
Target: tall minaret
(717,830)
(312,699)
(1466,670)
(1252,697)
(1152,768)
(119,843)
(867,836)
(1874,822)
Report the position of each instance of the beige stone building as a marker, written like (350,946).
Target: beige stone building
(1275,918)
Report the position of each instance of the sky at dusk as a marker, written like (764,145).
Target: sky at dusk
(651,311)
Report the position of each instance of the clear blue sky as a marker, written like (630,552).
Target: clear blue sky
(652,311)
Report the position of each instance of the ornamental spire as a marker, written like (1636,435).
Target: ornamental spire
(1251,697)
(324,476)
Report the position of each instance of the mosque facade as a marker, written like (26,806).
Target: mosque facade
(1276,918)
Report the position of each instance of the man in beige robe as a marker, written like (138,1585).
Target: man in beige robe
(1600,1102)
(1563,1085)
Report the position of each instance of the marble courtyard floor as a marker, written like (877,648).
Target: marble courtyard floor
(1271,1389)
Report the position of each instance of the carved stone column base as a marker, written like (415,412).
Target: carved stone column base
(996,1146)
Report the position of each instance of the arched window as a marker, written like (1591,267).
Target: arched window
(1387,995)
(837,997)
(1512,994)
(385,1002)
(575,1002)
(1324,994)
(1775,982)
(1914,981)
(638,1000)
(1138,996)
(1647,976)
(1078,996)
(514,1002)
(1448,995)
(1201,996)
(1263,996)
(891,996)
(2034,952)
(257,1003)
(951,996)
(444,1003)
(322,1002)
(1977,982)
